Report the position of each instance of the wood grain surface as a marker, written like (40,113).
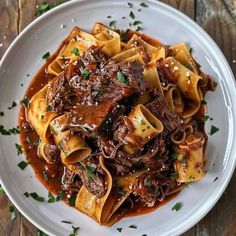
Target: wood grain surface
(218,18)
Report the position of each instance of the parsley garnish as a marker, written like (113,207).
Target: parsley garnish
(148,183)
(72,200)
(130,5)
(184,159)
(26,194)
(144,235)
(18,149)
(46,56)
(51,198)
(60,196)
(137,23)
(120,191)
(99,92)
(26,101)
(143,4)
(48,108)
(119,229)
(1,189)
(174,156)
(205,118)
(66,222)
(36,197)
(108,17)
(85,74)
(139,28)
(213,130)
(41,233)
(177,206)
(90,171)
(75,51)
(12,105)
(174,176)
(22,165)
(112,23)
(14,131)
(1,113)
(12,212)
(133,226)
(74,231)
(216,178)
(122,78)
(131,14)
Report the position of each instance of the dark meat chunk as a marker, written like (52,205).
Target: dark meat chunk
(51,153)
(164,73)
(159,108)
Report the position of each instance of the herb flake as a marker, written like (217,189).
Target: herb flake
(46,56)
(143,4)
(18,148)
(177,206)
(12,211)
(120,191)
(90,171)
(130,4)
(36,197)
(131,14)
(1,189)
(71,200)
(12,105)
(214,130)
(22,165)
(75,51)
(133,227)
(85,73)
(119,229)
(122,78)
(26,102)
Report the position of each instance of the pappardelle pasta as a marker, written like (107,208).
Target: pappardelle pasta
(115,123)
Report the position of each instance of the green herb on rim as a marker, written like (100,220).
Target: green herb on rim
(22,165)
(26,101)
(216,178)
(215,84)
(214,130)
(109,17)
(12,211)
(46,56)
(14,131)
(85,73)
(112,23)
(60,196)
(133,227)
(184,159)
(51,198)
(131,14)
(137,22)
(174,176)
(90,171)
(1,189)
(3,131)
(12,105)
(71,200)
(139,29)
(144,235)
(41,233)
(21,84)
(75,51)
(130,4)
(190,50)
(66,222)
(122,78)
(36,197)
(211,118)
(1,113)
(45,176)
(177,206)
(205,118)
(26,194)
(119,229)
(143,4)
(18,148)
(74,230)
(120,191)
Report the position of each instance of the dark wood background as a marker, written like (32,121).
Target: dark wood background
(218,18)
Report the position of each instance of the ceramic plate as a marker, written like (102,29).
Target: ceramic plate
(24,57)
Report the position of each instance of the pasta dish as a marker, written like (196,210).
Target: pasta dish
(114,122)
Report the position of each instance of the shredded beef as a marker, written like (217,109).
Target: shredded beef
(51,153)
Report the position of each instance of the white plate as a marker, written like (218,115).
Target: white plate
(166,24)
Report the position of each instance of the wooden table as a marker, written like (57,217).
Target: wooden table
(218,18)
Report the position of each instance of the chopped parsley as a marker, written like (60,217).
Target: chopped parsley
(184,159)
(122,78)
(99,92)
(130,4)
(190,50)
(1,113)
(41,233)
(14,131)
(174,156)
(139,28)
(12,105)
(66,222)
(119,229)
(3,131)
(213,130)
(112,23)
(60,196)
(22,165)
(143,122)
(26,194)
(174,176)
(90,171)
(46,56)
(36,197)
(109,17)
(120,191)
(143,4)
(51,198)
(12,211)
(72,200)
(18,148)
(131,14)
(177,206)
(75,51)
(137,22)
(48,108)
(216,178)
(74,231)
(133,227)
(85,73)
(45,176)
(205,118)
(148,183)
(144,235)
(26,101)
(1,189)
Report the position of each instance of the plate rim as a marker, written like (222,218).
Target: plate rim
(216,49)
